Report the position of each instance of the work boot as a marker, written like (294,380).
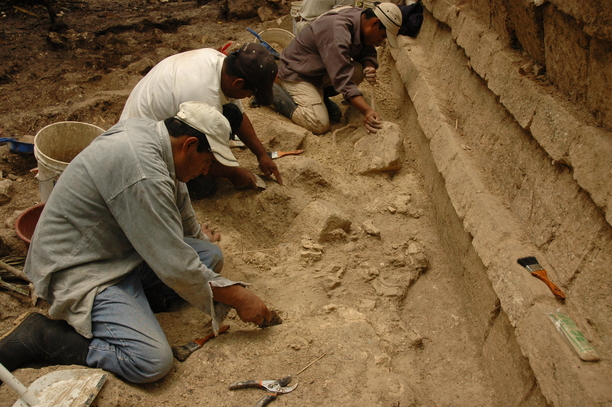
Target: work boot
(333,110)
(157,299)
(202,186)
(283,103)
(43,340)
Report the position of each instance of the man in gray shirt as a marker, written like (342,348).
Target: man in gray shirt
(332,56)
(118,221)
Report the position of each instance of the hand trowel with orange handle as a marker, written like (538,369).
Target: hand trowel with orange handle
(532,265)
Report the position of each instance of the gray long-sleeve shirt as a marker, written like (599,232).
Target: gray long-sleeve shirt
(326,48)
(117,204)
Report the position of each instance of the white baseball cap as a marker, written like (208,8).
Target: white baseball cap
(209,121)
(391,17)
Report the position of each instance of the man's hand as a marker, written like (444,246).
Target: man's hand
(370,74)
(248,306)
(268,167)
(210,233)
(242,178)
(372,121)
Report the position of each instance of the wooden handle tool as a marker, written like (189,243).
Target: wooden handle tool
(278,154)
(532,265)
(182,352)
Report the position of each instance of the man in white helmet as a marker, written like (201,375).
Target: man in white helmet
(332,56)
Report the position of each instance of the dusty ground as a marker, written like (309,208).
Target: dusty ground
(383,310)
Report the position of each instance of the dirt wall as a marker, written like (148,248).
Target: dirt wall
(512,379)
(486,122)
(570,40)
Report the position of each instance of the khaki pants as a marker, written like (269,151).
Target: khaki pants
(311,112)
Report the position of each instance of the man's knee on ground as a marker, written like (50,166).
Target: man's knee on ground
(313,118)
(322,128)
(154,368)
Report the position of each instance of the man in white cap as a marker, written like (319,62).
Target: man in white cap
(119,221)
(332,56)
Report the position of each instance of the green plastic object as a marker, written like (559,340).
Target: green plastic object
(574,336)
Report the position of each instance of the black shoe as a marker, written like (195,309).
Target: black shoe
(333,110)
(283,103)
(38,339)
(202,186)
(157,299)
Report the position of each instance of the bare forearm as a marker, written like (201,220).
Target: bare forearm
(248,306)
(228,295)
(360,104)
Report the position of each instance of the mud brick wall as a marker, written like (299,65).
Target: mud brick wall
(571,39)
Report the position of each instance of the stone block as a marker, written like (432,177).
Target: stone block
(322,221)
(381,151)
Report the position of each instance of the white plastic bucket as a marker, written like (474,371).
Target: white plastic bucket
(278,38)
(55,146)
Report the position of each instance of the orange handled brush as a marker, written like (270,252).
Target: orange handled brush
(532,265)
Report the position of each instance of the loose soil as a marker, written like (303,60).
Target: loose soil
(378,309)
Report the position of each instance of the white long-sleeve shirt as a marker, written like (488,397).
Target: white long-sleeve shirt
(117,204)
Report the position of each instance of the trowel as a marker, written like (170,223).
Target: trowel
(261,184)
(63,388)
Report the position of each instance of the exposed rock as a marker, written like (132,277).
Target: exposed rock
(312,252)
(283,135)
(321,220)
(141,67)
(243,9)
(265,13)
(72,40)
(371,273)
(331,282)
(397,261)
(330,308)
(413,339)
(305,170)
(5,190)
(370,229)
(385,289)
(419,262)
(367,305)
(380,151)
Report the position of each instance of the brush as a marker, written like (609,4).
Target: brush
(532,265)
(278,154)
(182,352)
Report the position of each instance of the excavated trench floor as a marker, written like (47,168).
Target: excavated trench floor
(420,302)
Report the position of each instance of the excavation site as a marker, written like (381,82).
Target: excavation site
(461,256)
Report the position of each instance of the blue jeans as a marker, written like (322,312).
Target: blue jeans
(127,339)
